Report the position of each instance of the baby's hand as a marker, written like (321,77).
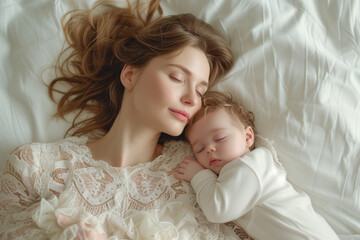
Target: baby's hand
(187,169)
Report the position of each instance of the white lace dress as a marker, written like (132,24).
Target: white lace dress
(40,181)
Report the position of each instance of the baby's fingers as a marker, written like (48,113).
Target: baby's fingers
(185,163)
(179,175)
(188,160)
(182,167)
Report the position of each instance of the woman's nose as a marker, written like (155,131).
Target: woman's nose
(189,98)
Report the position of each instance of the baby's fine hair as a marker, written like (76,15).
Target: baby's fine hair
(213,100)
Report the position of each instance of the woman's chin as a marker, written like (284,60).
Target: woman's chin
(175,132)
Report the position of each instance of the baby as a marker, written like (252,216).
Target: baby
(234,181)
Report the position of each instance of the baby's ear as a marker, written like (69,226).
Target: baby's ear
(250,137)
(127,76)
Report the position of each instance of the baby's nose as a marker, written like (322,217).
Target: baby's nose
(210,149)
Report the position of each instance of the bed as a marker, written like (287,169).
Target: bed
(297,68)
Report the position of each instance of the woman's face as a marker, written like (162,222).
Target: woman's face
(167,91)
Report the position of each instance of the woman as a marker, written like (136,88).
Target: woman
(133,83)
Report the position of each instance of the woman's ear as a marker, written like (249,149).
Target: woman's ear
(250,137)
(127,76)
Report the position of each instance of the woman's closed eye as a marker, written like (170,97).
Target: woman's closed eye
(176,78)
(200,94)
(200,91)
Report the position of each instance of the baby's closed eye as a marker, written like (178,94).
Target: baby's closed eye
(219,139)
(198,149)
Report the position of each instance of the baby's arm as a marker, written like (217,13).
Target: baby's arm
(228,196)
(187,169)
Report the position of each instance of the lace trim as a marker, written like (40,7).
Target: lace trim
(120,198)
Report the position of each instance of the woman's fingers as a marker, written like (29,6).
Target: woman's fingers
(87,232)
(65,221)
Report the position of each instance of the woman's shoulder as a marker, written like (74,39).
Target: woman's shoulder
(177,147)
(69,141)
(174,152)
(32,152)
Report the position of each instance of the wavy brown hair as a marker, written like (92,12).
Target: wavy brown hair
(213,100)
(100,41)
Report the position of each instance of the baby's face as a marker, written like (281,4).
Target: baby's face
(217,139)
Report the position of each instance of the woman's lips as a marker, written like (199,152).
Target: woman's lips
(214,162)
(181,115)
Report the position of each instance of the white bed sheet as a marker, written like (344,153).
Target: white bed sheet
(297,68)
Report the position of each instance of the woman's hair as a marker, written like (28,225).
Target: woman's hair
(213,100)
(105,38)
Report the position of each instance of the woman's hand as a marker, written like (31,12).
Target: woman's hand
(85,231)
(187,169)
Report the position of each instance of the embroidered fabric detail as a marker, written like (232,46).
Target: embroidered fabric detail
(40,181)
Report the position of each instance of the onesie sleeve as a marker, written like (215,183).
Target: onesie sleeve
(228,196)
(18,195)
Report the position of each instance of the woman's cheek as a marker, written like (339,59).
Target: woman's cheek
(162,88)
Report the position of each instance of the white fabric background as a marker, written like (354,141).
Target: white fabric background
(297,68)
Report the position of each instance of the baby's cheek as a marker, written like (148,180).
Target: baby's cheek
(203,162)
(229,153)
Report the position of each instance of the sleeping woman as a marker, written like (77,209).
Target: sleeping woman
(132,81)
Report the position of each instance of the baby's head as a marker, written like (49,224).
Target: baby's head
(220,131)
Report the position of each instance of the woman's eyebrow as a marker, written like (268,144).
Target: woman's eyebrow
(187,71)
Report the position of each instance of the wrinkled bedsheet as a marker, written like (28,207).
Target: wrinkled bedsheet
(297,68)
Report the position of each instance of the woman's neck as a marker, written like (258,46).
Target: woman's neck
(126,144)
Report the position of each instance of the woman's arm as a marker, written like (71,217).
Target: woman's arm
(228,196)
(18,197)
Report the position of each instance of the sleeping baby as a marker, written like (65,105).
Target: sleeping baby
(234,181)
